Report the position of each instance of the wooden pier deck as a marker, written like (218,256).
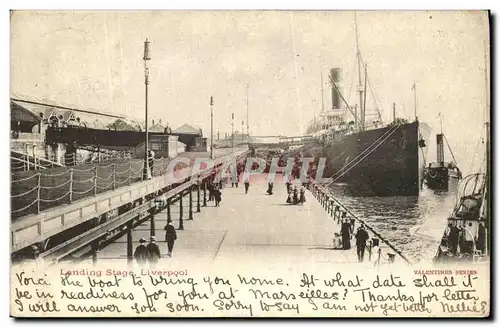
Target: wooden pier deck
(255,226)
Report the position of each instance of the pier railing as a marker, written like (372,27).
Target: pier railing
(339,212)
(21,161)
(37,191)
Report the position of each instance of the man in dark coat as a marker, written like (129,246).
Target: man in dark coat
(346,237)
(217,197)
(170,237)
(141,253)
(247,184)
(154,252)
(361,238)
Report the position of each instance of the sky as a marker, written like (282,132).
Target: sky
(93,60)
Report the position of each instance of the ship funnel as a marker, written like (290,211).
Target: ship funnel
(440,148)
(334,77)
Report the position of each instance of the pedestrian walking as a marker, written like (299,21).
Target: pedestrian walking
(286,177)
(302,198)
(345,233)
(247,184)
(217,197)
(289,197)
(170,237)
(270,188)
(154,252)
(141,253)
(361,238)
(210,191)
(295,195)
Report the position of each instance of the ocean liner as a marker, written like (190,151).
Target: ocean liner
(370,157)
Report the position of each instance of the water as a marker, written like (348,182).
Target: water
(414,225)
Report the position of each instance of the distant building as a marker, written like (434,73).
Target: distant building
(192,137)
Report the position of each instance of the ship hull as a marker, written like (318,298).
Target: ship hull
(394,167)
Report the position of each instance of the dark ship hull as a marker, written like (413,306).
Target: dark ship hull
(396,167)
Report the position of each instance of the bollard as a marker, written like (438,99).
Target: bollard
(181,213)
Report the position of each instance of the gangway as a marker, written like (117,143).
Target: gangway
(36,228)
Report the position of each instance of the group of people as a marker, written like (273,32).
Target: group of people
(342,240)
(295,196)
(151,252)
(464,241)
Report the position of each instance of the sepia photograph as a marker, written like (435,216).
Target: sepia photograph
(250,163)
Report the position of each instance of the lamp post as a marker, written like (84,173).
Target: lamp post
(211,127)
(147,56)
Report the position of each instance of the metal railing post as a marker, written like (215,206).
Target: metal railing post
(169,217)
(38,193)
(181,213)
(190,217)
(95,181)
(198,186)
(71,185)
(114,176)
(205,193)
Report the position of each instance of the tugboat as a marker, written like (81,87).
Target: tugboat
(438,174)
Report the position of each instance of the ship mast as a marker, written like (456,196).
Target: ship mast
(360,85)
(487,195)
